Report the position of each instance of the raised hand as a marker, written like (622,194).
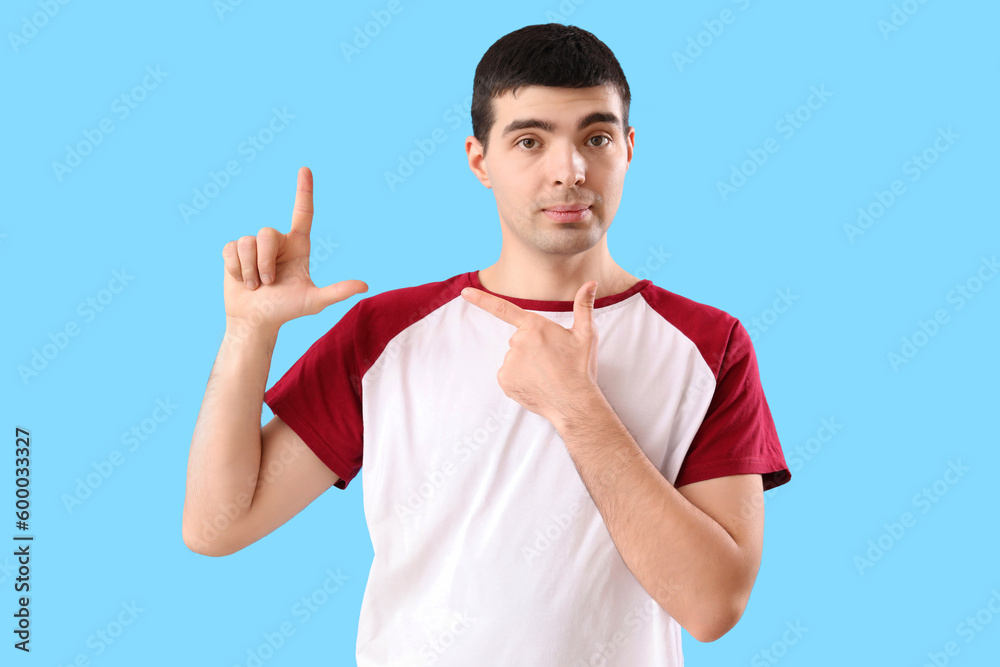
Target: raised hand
(266,281)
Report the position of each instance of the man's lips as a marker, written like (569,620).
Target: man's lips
(567,213)
(570,207)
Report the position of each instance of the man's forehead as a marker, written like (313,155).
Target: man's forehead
(539,97)
(549,108)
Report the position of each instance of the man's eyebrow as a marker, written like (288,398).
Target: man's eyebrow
(548,126)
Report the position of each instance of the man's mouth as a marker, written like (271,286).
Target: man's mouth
(567,212)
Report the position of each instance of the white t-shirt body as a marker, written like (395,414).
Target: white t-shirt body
(488,549)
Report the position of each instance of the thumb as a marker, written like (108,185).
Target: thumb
(337,292)
(583,307)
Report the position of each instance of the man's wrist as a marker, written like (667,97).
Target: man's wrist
(587,410)
(240,330)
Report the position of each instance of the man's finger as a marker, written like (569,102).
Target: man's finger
(232,260)
(302,213)
(583,307)
(268,242)
(496,306)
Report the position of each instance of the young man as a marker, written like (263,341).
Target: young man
(552,475)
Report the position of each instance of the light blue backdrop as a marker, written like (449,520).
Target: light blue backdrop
(826,172)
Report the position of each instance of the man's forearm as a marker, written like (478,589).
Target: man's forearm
(225,448)
(684,559)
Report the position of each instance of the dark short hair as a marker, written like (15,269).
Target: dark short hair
(551,54)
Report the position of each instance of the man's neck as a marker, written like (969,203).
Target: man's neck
(553,285)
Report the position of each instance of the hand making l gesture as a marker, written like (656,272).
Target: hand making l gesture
(266,279)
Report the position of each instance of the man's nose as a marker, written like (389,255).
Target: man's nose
(567,165)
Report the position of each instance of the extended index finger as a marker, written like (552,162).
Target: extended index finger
(302,213)
(501,308)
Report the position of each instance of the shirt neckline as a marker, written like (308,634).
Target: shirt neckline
(472,280)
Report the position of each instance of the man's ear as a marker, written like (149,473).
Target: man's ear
(477,161)
(630,144)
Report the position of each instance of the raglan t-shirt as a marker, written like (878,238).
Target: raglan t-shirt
(488,547)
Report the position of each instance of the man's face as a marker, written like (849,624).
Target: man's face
(556,163)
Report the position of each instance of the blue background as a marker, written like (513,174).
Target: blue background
(854,297)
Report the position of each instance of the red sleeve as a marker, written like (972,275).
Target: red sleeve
(737,435)
(320,399)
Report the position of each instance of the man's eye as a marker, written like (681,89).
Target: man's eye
(600,137)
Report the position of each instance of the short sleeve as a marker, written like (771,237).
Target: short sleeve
(319,398)
(737,435)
